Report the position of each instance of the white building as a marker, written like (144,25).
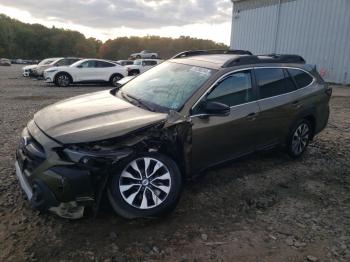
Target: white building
(318,30)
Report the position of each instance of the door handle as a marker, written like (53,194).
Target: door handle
(251,116)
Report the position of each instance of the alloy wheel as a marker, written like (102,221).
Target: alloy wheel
(300,138)
(115,80)
(63,80)
(145,183)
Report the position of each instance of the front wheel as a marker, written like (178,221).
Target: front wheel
(62,80)
(114,79)
(299,138)
(148,185)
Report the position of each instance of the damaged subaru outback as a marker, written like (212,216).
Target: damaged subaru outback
(138,143)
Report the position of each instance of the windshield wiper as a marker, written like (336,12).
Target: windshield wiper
(138,100)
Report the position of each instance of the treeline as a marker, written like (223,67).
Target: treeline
(166,47)
(26,41)
(34,41)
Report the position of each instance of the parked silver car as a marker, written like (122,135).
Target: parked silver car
(144,54)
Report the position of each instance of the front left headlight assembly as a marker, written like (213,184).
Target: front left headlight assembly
(92,157)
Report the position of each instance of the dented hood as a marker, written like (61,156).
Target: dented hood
(93,117)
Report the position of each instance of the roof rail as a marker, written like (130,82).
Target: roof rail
(211,52)
(265,59)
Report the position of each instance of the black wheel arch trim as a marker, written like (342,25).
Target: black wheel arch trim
(308,114)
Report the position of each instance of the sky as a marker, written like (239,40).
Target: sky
(108,19)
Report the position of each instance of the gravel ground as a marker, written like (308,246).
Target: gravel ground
(265,207)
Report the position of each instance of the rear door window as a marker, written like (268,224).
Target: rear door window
(104,64)
(301,78)
(273,82)
(72,61)
(88,64)
(234,90)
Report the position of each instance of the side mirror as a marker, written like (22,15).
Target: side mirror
(217,109)
(79,66)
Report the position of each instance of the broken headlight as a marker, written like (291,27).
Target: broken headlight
(95,153)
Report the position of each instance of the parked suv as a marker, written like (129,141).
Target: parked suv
(86,71)
(142,65)
(140,141)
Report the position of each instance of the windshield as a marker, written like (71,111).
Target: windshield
(77,63)
(47,61)
(168,85)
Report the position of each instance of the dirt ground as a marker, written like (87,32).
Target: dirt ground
(265,207)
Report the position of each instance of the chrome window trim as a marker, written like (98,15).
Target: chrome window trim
(285,67)
(218,80)
(253,68)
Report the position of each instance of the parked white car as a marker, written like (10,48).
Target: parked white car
(142,65)
(5,62)
(86,71)
(53,62)
(144,54)
(28,70)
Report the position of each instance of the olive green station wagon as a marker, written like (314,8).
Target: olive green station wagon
(139,142)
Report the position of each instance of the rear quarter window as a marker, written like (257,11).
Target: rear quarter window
(104,64)
(273,82)
(301,78)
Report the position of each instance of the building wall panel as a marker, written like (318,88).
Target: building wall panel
(319,30)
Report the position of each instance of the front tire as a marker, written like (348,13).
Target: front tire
(299,139)
(114,79)
(62,80)
(147,185)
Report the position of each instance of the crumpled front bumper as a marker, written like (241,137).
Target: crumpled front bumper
(50,182)
(42,198)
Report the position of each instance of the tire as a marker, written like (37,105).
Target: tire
(299,138)
(114,79)
(63,80)
(150,196)
(138,57)
(153,57)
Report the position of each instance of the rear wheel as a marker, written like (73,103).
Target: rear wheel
(147,185)
(299,138)
(153,57)
(62,80)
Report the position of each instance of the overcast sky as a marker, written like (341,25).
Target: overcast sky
(104,19)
